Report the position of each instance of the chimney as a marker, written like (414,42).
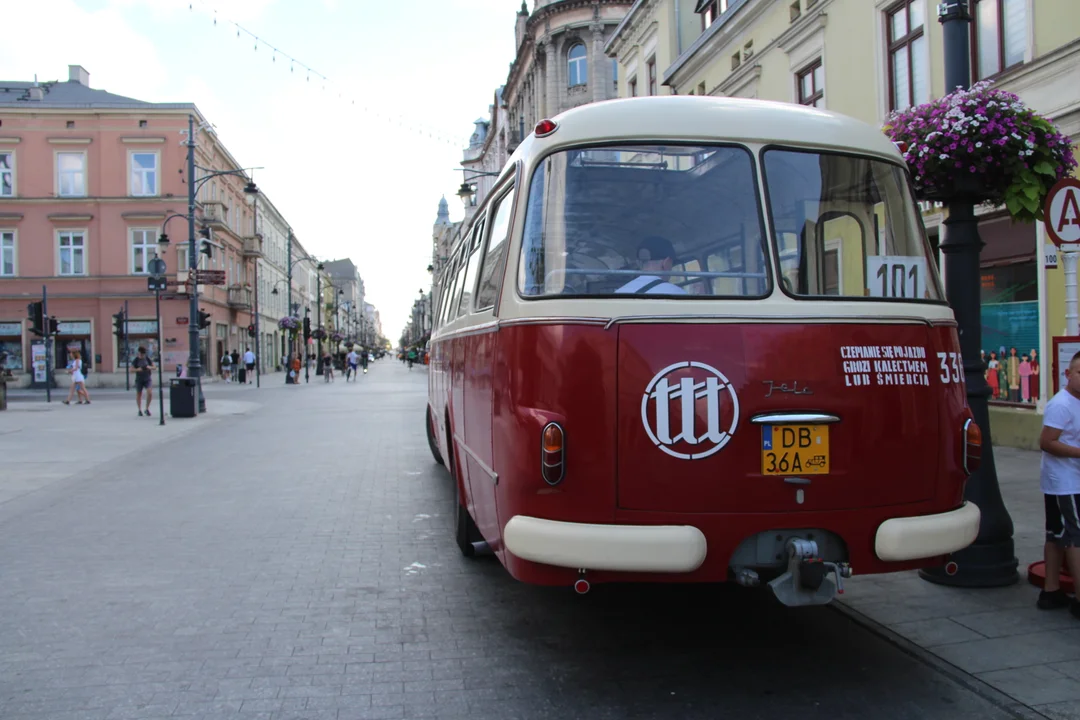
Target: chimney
(77,73)
(36,91)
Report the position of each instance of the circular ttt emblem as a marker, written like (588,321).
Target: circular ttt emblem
(690,410)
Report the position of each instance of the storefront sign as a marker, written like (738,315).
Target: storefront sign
(11,329)
(142,327)
(1050,256)
(73,328)
(37,352)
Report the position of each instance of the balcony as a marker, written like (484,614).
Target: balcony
(240,297)
(216,214)
(253,246)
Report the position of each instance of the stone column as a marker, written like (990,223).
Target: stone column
(600,62)
(551,101)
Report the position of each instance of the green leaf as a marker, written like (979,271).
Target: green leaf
(1032,191)
(1045,168)
(1029,203)
(1012,203)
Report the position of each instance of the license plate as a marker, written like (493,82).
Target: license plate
(794,449)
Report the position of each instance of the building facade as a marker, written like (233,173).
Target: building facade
(89,181)
(93,186)
(865,59)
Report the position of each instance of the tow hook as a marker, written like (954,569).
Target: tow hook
(804,582)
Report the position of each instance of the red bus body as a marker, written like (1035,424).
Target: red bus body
(664,411)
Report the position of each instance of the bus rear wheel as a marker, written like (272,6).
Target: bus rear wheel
(465,530)
(430,422)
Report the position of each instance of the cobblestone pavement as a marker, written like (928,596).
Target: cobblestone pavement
(295,561)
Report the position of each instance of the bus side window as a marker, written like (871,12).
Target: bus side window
(495,258)
(470,267)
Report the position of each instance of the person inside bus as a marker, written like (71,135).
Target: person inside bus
(654,255)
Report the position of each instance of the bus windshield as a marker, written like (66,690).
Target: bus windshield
(846,226)
(673,221)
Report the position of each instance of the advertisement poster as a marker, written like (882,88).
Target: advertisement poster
(1064,348)
(40,364)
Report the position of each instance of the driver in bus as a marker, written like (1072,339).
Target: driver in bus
(654,254)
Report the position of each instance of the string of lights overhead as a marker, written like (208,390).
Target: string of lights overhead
(297,65)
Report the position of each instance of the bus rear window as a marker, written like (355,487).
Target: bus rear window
(846,226)
(673,221)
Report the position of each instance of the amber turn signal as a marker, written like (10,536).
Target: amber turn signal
(972,446)
(553,452)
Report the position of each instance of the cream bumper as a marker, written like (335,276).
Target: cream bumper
(911,538)
(627,548)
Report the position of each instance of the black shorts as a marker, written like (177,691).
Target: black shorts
(142,383)
(1062,521)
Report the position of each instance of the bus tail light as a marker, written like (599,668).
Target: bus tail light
(972,441)
(553,452)
(545,127)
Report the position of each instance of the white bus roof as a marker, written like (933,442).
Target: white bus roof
(701,119)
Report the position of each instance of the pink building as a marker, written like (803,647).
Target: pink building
(87,180)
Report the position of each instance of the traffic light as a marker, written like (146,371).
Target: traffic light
(54,326)
(204,246)
(204,319)
(118,324)
(307,329)
(251,331)
(35,312)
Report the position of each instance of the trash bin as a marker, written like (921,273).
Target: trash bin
(243,375)
(182,393)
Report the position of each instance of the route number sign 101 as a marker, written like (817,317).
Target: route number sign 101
(896,276)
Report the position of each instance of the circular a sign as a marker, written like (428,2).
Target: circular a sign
(157,266)
(1061,212)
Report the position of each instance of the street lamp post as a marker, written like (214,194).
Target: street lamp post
(194,356)
(990,561)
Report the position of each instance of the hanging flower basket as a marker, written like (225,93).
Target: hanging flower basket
(337,337)
(289,322)
(318,334)
(982,145)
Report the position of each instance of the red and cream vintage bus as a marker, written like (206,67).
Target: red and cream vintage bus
(693,339)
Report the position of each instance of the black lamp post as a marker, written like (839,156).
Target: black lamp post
(193,185)
(990,561)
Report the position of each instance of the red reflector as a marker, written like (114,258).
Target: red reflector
(903,147)
(545,127)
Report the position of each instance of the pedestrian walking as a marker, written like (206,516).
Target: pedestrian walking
(328,367)
(78,380)
(144,377)
(351,362)
(226,367)
(1059,476)
(249,363)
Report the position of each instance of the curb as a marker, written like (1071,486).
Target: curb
(961,677)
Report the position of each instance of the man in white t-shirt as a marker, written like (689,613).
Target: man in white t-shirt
(654,254)
(351,361)
(249,363)
(1060,480)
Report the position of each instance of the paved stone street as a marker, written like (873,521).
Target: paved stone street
(289,555)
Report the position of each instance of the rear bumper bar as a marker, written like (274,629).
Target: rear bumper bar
(924,536)
(627,548)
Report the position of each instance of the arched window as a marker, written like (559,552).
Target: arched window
(578,65)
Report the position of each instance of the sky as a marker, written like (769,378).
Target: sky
(356,163)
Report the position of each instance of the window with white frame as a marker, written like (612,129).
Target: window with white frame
(998,35)
(71,174)
(909,77)
(72,253)
(7,174)
(710,10)
(7,253)
(579,66)
(143,250)
(144,173)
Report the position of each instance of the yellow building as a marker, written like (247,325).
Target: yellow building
(866,58)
